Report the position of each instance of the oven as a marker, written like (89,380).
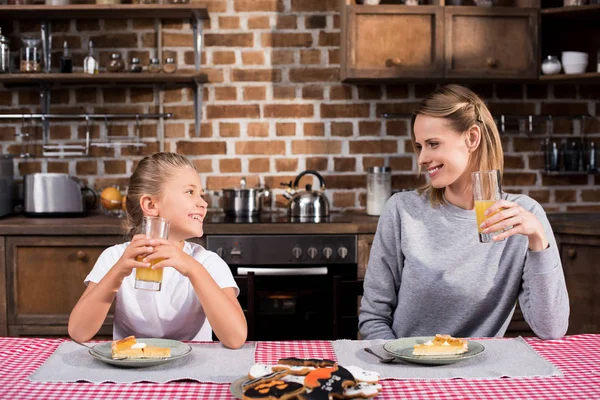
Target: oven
(293,279)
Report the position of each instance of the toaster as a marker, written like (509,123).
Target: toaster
(55,195)
(6,184)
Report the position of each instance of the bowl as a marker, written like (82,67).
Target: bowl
(574,68)
(574,57)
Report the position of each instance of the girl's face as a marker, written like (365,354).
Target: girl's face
(443,153)
(182,204)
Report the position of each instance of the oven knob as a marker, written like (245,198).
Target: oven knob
(312,252)
(297,252)
(327,252)
(343,252)
(220,252)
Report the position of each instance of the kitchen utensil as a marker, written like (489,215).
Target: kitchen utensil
(551,66)
(56,194)
(6,184)
(102,354)
(308,205)
(243,201)
(383,360)
(4,53)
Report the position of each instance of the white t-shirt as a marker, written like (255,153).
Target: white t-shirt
(174,312)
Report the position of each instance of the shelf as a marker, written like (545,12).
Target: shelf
(588,77)
(567,173)
(585,12)
(183,77)
(102,11)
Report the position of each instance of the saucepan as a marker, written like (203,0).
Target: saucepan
(243,201)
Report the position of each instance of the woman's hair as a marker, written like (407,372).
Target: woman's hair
(148,179)
(462,109)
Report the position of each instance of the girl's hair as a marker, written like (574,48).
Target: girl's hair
(462,109)
(148,179)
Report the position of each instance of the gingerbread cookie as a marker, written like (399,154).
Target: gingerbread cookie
(293,369)
(362,390)
(274,390)
(327,383)
(263,379)
(363,376)
(307,362)
(258,370)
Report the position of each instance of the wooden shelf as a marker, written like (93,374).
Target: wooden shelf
(587,12)
(183,77)
(567,173)
(588,77)
(102,11)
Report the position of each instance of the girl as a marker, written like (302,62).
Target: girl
(428,273)
(199,293)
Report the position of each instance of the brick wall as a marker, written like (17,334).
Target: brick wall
(274,107)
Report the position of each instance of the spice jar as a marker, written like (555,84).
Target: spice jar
(379,189)
(134,65)
(170,65)
(4,53)
(154,65)
(116,63)
(31,56)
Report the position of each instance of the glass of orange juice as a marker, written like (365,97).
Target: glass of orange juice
(148,278)
(487,190)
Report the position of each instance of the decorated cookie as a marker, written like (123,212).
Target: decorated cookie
(327,383)
(363,376)
(274,389)
(307,362)
(258,370)
(294,378)
(263,379)
(362,390)
(293,369)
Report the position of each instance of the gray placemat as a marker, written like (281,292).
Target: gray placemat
(208,362)
(501,358)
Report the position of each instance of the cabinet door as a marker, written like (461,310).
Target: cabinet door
(45,279)
(387,41)
(580,263)
(491,43)
(364,251)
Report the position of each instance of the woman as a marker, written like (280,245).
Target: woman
(427,271)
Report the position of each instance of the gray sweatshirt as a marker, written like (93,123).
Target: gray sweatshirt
(429,274)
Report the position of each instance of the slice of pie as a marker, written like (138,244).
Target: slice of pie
(441,345)
(130,348)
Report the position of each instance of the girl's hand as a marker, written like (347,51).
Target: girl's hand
(139,246)
(171,255)
(511,219)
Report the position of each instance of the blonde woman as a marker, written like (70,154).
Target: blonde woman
(428,273)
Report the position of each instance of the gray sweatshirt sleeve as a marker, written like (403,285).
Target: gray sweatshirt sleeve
(544,299)
(382,278)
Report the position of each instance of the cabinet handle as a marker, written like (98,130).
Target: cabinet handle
(394,62)
(572,254)
(81,256)
(491,62)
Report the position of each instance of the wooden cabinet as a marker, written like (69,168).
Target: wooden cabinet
(491,43)
(389,42)
(44,280)
(364,250)
(396,42)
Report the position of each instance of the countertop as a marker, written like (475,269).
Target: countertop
(217,224)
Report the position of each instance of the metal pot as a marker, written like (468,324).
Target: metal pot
(243,202)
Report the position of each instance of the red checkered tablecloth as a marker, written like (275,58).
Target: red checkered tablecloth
(578,357)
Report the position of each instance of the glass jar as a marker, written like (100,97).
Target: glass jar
(4,53)
(134,65)
(379,189)
(551,65)
(116,63)
(31,55)
(170,65)
(154,65)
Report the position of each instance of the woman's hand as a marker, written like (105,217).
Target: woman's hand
(140,245)
(171,255)
(509,219)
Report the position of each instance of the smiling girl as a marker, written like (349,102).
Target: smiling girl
(427,271)
(198,295)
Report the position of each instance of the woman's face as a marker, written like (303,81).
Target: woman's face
(442,152)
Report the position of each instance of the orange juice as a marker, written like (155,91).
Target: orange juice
(148,274)
(481,207)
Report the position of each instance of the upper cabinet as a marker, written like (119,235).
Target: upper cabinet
(397,42)
(491,43)
(390,41)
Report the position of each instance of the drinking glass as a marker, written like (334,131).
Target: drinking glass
(486,191)
(148,278)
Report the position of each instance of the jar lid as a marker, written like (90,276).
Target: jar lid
(3,39)
(115,56)
(135,60)
(379,170)
(154,61)
(170,60)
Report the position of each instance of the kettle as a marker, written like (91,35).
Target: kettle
(307,205)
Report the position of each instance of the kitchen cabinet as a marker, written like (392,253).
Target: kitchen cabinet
(364,250)
(396,42)
(44,280)
(382,42)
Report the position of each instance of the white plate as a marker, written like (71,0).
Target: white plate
(403,349)
(178,350)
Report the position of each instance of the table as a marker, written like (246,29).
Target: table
(578,357)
